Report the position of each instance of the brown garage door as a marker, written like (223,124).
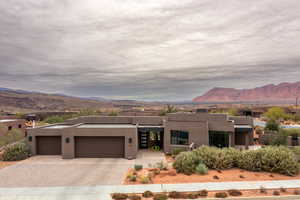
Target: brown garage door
(99,147)
(48,145)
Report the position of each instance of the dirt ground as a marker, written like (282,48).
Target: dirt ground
(170,176)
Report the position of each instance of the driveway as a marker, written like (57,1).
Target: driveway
(45,171)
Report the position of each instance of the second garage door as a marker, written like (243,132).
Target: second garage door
(99,147)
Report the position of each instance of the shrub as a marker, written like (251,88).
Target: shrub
(271,159)
(272,125)
(276,193)
(145,179)
(138,167)
(177,151)
(134,197)
(54,119)
(192,196)
(12,136)
(234,193)
(175,195)
(203,193)
(282,189)
(215,158)
(148,194)
(160,197)
(186,162)
(132,177)
(161,165)
(201,169)
(221,195)
(263,190)
(119,196)
(15,152)
(216,177)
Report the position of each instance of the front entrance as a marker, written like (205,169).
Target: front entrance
(151,138)
(219,139)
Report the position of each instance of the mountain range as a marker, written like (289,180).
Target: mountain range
(281,93)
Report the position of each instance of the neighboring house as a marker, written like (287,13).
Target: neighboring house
(8,124)
(124,136)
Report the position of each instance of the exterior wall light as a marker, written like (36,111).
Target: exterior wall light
(30,138)
(67,140)
(129,140)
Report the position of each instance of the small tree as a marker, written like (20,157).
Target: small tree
(54,119)
(272,125)
(276,113)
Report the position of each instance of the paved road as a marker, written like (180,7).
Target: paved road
(50,171)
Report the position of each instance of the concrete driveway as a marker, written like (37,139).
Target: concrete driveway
(45,171)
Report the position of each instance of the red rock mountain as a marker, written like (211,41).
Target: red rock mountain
(283,92)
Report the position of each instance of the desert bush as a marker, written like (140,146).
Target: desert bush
(234,193)
(186,162)
(275,139)
(138,167)
(132,177)
(177,151)
(12,136)
(148,194)
(271,159)
(160,197)
(221,195)
(145,179)
(203,193)
(215,158)
(276,193)
(161,165)
(15,152)
(119,196)
(134,197)
(192,196)
(201,169)
(272,125)
(175,195)
(54,119)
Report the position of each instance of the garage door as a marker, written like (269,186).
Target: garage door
(99,147)
(48,145)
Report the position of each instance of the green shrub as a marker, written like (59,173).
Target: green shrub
(186,162)
(119,196)
(235,193)
(215,158)
(291,132)
(276,193)
(54,119)
(160,197)
(275,139)
(221,195)
(12,136)
(177,151)
(201,169)
(272,125)
(145,179)
(271,159)
(161,165)
(138,167)
(148,194)
(203,193)
(132,178)
(15,152)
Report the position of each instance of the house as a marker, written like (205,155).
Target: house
(124,136)
(7,124)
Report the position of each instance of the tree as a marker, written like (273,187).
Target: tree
(276,113)
(169,109)
(272,125)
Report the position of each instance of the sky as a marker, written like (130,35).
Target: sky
(147,49)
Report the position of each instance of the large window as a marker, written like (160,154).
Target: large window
(179,137)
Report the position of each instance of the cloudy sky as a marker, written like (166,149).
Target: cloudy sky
(147,49)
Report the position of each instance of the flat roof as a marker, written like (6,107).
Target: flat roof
(57,126)
(242,126)
(7,120)
(106,126)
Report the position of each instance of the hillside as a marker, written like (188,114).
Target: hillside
(284,92)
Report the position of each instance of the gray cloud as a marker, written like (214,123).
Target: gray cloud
(151,50)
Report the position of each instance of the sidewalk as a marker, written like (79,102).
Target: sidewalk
(103,192)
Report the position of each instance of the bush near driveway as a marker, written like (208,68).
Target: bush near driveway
(15,152)
(270,159)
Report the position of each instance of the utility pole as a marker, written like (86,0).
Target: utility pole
(296,102)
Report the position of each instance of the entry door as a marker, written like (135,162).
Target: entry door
(144,140)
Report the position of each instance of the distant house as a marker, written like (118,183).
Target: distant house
(8,124)
(124,136)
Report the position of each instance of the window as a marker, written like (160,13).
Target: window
(20,125)
(179,137)
(9,128)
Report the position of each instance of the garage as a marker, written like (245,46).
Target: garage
(99,147)
(48,145)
